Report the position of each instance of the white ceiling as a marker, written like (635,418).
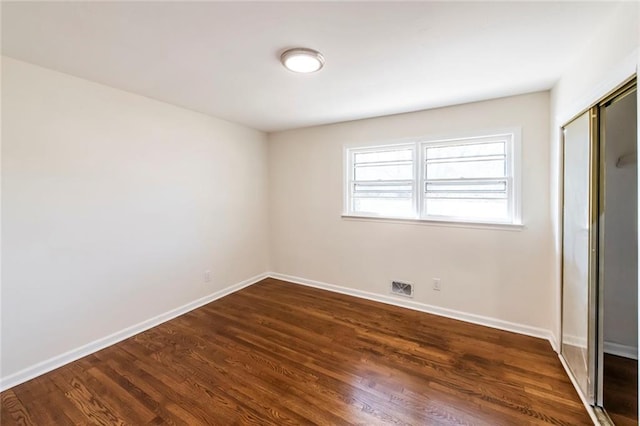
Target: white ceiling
(381,58)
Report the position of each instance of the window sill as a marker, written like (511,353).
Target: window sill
(435,222)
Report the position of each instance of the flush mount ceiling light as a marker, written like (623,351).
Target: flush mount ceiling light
(302,60)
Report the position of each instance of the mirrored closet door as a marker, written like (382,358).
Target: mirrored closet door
(600,255)
(579,230)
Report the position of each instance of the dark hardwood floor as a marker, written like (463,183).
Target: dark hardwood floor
(279,353)
(621,389)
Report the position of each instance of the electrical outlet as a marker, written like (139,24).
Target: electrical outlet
(436,284)
(207,276)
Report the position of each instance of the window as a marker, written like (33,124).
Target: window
(383,181)
(472,179)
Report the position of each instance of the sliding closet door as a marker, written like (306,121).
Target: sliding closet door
(579,233)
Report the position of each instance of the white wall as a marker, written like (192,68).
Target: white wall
(621,227)
(608,60)
(113,207)
(502,274)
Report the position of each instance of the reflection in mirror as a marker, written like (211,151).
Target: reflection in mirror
(575,273)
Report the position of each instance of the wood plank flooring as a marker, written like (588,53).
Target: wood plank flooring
(621,389)
(277,353)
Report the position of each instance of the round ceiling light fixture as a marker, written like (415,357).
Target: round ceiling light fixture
(302,60)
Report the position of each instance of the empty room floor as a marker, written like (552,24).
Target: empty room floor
(621,389)
(281,353)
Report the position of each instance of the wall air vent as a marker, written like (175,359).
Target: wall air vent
(402,288)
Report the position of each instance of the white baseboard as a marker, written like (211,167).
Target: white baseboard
(75,354)
(621,350)
(577,341)
(423,307)
(554,342)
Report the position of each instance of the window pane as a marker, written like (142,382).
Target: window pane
(392,155)
(379,186)
(393,172)
(468,209)
(396,207)
(468,150)
(462,190)
(383,191)
(461,186)
(466,169)
(465,195)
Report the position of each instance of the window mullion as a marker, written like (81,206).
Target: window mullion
(417,193)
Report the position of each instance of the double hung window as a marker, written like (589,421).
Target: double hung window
(472,179)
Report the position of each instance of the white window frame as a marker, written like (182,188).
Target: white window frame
(513,166)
